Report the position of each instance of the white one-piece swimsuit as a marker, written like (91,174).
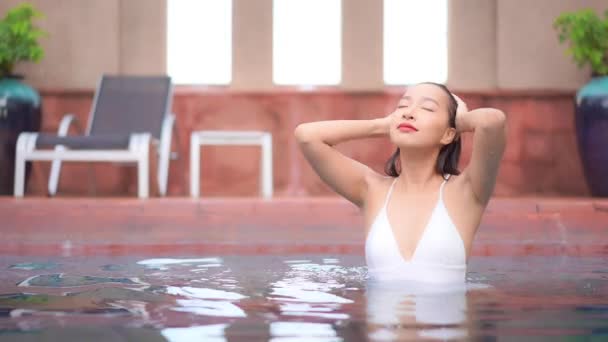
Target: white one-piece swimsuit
(439,257)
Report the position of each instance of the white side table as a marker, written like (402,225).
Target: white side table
(263,139)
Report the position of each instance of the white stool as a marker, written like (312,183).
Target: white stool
(263,139)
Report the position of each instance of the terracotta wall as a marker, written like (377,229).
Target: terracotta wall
(541,156)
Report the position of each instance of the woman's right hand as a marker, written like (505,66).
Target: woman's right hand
(385,123)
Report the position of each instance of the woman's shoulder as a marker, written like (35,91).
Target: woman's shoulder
(377,187)
(377,181)
(456,183)
(458,188)
(373,177)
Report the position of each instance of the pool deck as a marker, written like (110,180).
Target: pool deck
(85,226)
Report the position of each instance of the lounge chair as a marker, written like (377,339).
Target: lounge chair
(128,113)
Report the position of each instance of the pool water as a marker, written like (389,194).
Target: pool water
(296,298)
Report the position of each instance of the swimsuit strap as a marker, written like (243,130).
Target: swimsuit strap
(390,190)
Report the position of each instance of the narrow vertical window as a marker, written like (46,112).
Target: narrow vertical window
(307,42)
(415,41)
(199,41)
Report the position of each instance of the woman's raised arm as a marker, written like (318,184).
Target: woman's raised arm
(344,175)
(489,139)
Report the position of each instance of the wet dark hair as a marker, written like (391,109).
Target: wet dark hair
(449,155)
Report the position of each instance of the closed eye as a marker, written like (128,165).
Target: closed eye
(427,109)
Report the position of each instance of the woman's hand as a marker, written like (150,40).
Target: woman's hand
(384,123)
(461,111)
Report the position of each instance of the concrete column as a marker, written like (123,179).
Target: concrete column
(252,45)
(362,35)
(143,37)
(472,44)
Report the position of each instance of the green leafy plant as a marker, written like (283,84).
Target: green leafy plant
(19,38)
(588,37)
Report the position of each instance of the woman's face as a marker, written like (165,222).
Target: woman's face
(425,107)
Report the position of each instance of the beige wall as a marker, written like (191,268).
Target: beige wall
(493,44)
(252,44)
(529,54)
(472,44)
(143,36)
(362,44)
(89,38)
(511,44)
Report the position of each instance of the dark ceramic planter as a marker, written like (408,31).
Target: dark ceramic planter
(592,133)
(20,110)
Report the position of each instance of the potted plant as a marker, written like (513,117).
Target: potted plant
(20,104)
(587,34)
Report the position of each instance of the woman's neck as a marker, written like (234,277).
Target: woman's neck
(418,169)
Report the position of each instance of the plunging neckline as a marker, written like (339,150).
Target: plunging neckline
(426,227)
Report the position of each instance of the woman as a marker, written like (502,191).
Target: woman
(421,219)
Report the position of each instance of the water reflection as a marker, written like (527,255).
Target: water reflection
(410,310)
(164,263)
(207,302)
(211,333)
(302,297)
(34,266)
(303,331)
(63,280)
(203,293)
(309,289)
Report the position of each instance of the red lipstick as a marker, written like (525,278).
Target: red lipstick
(406,127)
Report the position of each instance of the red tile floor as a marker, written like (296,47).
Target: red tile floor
(511,226)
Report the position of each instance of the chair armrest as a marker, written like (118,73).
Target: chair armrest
(166,135)
(64,125)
